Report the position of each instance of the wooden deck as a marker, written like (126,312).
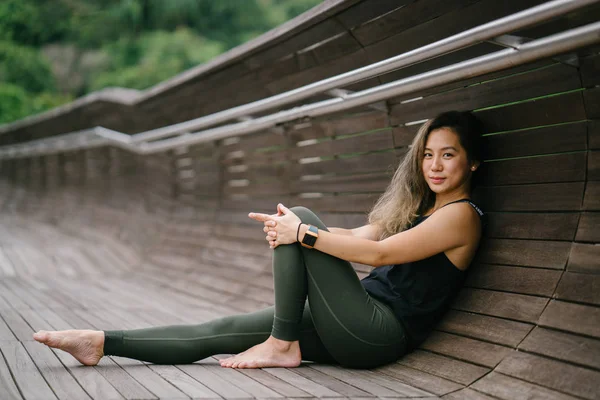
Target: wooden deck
(97,284)
(525,326)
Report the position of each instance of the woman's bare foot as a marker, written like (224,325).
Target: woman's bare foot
(86,346)
(271,353)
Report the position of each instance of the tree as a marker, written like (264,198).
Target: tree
(155,57)
(25,67)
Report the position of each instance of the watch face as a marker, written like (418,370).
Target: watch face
(309,240)
(311,235)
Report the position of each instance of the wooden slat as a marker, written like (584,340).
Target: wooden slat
(544,81)
(313,388)
(588,229)
(184,382)
(7,383)
(547,111)
(553,374)
(542,197)
(491,329)
(359,203)
(594,134)
(380,161)
(455,370)
(249,144)
(547,169)
(307,28)
(591,199)
(563,346)
(355,378)
(330,127)
(361,13)
(589,70)
(150,380)
(274,383)
(343,64)
(205,374)
(122,381)
(466,349)
(584,258)
(467,394)
(508,388)
(540,282)
(58,377)
(430,383)
(5,332)
(7,268)
(17,325)
(582,288)
(374,182)
(271,188)
(258,172)
(593,166)
(531,253)
(379,140)
(507,305)
(551,226)
(330,382)
(401,388)
(457,20)
(31,383)
(404,135)
(254,388)
(572,318)
(402,18)
(591,97)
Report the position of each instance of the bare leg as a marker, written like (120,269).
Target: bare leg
(85,345)
(271,353)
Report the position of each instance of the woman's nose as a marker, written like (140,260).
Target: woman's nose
(436,165)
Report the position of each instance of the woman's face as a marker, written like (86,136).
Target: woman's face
(446,167)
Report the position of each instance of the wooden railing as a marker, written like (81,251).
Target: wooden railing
(533,286)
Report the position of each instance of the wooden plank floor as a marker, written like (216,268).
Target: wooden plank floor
(70,276)
(51,278)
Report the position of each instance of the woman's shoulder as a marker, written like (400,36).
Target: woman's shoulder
(468,202)
(459,215)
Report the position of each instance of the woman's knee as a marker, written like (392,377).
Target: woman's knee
(307,216)
(302,212)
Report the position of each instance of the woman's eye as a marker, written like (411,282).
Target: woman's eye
(427,155)
(447,154)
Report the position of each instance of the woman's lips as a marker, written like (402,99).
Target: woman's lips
(436,180)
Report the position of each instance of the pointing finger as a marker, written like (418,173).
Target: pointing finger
(259,217)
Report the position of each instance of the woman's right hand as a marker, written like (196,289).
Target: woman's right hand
(269,224)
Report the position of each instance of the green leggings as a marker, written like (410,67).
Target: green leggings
(340,323)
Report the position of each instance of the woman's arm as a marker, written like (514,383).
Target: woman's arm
(368,231)
(449,228)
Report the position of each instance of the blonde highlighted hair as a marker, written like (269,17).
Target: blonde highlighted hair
(408,195)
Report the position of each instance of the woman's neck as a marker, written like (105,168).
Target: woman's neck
(442,200)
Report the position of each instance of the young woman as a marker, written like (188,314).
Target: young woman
(422,235)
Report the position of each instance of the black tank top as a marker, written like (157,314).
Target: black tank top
(418,292)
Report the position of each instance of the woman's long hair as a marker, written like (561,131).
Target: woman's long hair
(408,195)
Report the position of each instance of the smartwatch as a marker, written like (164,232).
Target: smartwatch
(310,237)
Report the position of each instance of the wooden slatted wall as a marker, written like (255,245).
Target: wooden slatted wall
(528,319)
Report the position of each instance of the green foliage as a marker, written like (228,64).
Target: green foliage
(16,103)
(25,67)
(155,57)
(92,44)
(33,23)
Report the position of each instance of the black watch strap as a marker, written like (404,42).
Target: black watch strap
(310,237)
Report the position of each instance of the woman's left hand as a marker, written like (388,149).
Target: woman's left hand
(280,228)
